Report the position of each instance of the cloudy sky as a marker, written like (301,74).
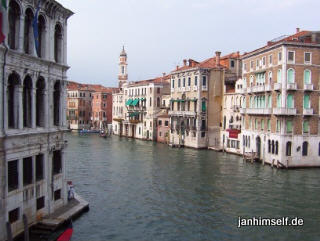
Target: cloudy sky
(159,34)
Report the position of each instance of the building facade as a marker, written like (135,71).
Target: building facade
(281,108)
(101,108)
(196,100)
(33,113)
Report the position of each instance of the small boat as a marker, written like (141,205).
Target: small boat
(84,131)
(67,234)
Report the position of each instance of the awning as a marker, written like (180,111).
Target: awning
(142,99)
(194,99)
(131,114)
(135,102)
(129,102)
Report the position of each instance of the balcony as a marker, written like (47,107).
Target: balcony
(188,88)
(308,111)
(241,91)
(259,111)
(267,88)
(195,88)
(308,87)
(243,111)
(258,88)
(183,89)
(284,111)
(204,88)
(182,113)
(249,90)
(172,90)
(277,86)
(292,86)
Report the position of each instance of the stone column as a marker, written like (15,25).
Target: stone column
(33,107)
(20,171)
(5,104)
(20,107)
(33,169)
(64,191)
(65,43)
(21,33)
(47,116)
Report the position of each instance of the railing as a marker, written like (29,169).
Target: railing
(204,88)
(277,86)
(308,111)
(259,111)
(195,88)
(284,111)
(242,111)
(188,88)
(308,86)
(182,113)
(249,90)
(241,91)
(291,86)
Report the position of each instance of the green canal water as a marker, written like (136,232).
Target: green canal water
(144,191)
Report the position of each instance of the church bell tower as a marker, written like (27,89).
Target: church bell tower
(123,68)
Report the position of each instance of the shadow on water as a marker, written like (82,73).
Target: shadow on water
(142,190)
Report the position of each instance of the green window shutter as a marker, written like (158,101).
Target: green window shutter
(279,76)
(278,125)
(306,126)
(269,125)
(279,101)
(289,126)
(290,76)
(307,76)
(256,124)
(290,101)
(269,101)
(306,100)
(204,108)
(262,124)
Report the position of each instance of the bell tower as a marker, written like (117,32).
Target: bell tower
(123,68)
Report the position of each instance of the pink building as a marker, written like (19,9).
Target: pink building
(163,128)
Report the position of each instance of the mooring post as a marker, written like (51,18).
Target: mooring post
(9,232)
(26,228)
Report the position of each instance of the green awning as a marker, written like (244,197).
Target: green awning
(129,102)
(194,99)
(135,102)
(132,114)
(143,99)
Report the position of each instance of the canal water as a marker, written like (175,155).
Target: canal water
(145,191)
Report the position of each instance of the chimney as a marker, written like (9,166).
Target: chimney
(163,74)
(297,30)
(177,67)
(184,62)
(218,53)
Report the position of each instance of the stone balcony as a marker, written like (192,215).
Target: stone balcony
(241,91)
(308,111)
(259,111)
(182,113)
(308,87)
(243,111)
(204,88)
(284,111)
(261,88)
(291,86)
(249,90)
(195,88)
(277,86)
(188,88)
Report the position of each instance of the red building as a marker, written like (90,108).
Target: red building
(163,128)
(102,108)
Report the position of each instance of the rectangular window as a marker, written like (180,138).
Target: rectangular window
(290,101)
(307,58)
(158,90)
(290,56)
(306,101)
(57,194)
(56,163)
(172,81)
(251,64)
(264,61)
(279,100)
(189,81)
(269,125)
(204,80)
(257,63)
(166,123)
(262,124)
(160,123)
(279,57)
(14,215)
(27,171)
(40,203)
(270,59)
(195,80)
(289,126)
(305,126)
(278,125)
(13,175)
(184,82)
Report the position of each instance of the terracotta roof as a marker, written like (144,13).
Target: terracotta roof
(162,79)
(299,37)
(89,87)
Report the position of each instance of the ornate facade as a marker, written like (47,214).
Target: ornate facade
(33,113)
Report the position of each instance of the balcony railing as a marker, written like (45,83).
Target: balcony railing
(259,111)
(291,86)
(241,91)
(182,113)
(308,111)
(249,90)
(204,88)
(195,88)
(277,86)
(243,111)
(284,111)
(308,87)
(188,88)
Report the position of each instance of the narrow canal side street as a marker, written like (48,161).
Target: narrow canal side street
(141,190)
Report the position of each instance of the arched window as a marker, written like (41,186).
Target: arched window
(290,76)
(56,103)
(288,148)
(27,106)
(270,77)
(42,37)
(269,146)
(289,101)
(58,44)
(158,101)
(272,147)
(28,32)
(40,102)
(12,100)
(279,77)
(277,148)
(14,25)
(305,148)
(307,76)
(279,100)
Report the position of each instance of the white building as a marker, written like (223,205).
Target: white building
(32,113)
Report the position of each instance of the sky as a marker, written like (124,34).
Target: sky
(159,34)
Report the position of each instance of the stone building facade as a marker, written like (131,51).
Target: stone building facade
(281,112)
(196,100)
(33,113)
(101,108)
